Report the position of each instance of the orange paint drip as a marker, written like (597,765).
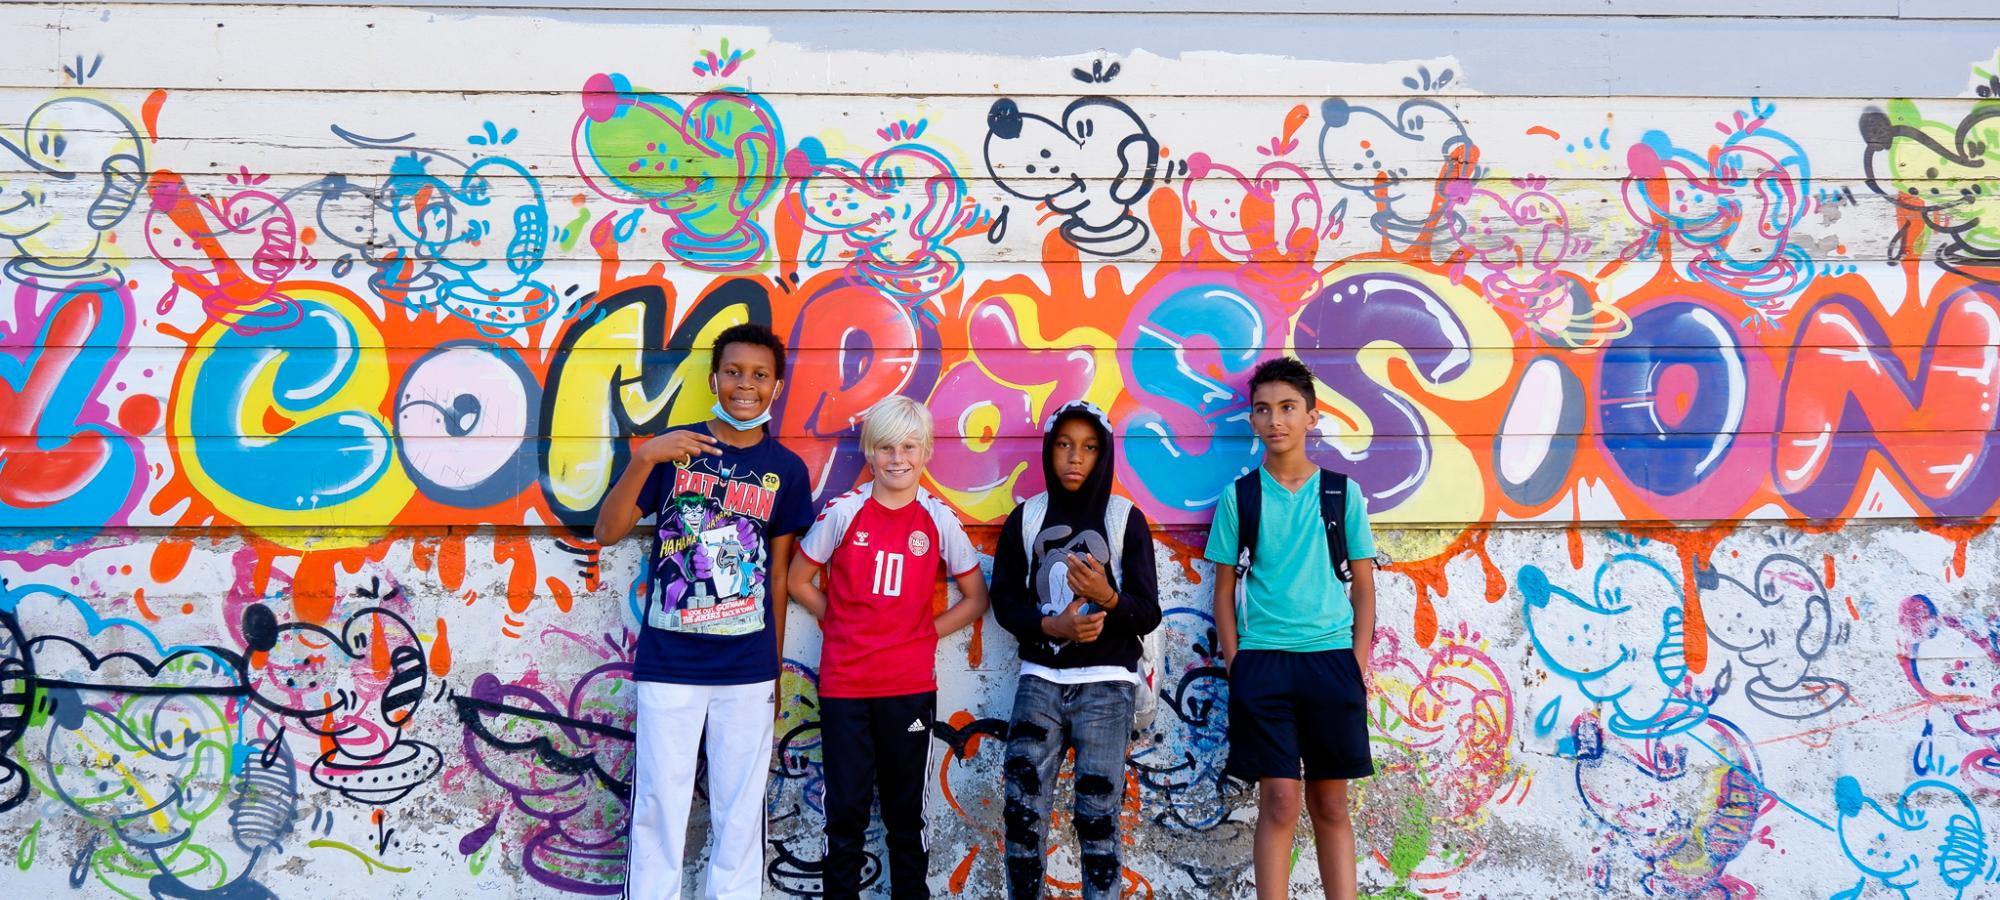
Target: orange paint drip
(1297,117)
(561,592)
(1575,535)
(1852,611)
(521,577)
(139,600)
(441,651)
(260,575)
(1826,567)
(1431,581)
(169,558)
(149,113)
(451,562)
(1960,534)
(1427,617)
(1183,553)
(1496,583)
(422,554)
(326,742)
(312,587)
(975,649)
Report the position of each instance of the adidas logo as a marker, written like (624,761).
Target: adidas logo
(916,725)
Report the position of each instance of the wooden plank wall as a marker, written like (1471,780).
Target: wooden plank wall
(309,304)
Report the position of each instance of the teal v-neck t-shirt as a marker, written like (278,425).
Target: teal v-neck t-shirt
(1292,599)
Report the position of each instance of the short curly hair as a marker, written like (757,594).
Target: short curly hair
(752,333)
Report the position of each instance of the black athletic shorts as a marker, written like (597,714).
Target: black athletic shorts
(1288,709)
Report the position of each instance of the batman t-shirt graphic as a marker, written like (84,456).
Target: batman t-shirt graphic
(707,613)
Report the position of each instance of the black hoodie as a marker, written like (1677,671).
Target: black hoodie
(1075,524)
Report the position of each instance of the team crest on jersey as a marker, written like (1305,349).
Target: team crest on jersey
(920,543)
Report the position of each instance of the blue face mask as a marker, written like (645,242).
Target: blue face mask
(740,424)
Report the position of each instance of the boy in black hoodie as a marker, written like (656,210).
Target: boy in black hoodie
(1078,592)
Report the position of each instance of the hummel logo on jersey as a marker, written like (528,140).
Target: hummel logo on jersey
(861,539)
(916,725)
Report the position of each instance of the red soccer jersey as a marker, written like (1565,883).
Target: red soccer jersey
(881,565)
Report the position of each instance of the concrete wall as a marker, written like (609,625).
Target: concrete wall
(1664,343)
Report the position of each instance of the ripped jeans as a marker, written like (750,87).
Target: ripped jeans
(1095,719)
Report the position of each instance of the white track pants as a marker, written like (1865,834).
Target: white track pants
(671,719)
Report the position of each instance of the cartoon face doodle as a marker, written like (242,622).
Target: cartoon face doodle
(81,167)
(1778,626)
(1092,164)
(1941,171)
(1928,842)
(1397,160)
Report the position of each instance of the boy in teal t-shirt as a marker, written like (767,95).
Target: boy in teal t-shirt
(1296,642)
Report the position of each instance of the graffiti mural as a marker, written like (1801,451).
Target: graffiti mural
(1677,418)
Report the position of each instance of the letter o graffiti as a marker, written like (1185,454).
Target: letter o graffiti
(464,413)
(1680,405)
(1537,440)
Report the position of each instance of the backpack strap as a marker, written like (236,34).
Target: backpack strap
(1333,515)
(1117,514)
(1249,510)
(1034,511)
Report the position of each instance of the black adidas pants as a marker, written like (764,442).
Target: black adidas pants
(869,745)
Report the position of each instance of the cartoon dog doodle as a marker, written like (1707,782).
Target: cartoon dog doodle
(1938,169)
(1399,161)
(1778,628)
(1928,844)
(354,690)
(1093,165)
(1624,646)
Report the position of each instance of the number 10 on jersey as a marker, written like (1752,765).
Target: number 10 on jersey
(888,573)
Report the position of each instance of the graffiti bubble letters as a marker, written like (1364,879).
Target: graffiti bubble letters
(264,404)
(1849,395)
(62,460)
(464,416)
(995,396)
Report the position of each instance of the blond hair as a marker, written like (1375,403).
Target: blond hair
(894,419)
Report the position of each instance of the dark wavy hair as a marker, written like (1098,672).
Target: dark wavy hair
(1284,370)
